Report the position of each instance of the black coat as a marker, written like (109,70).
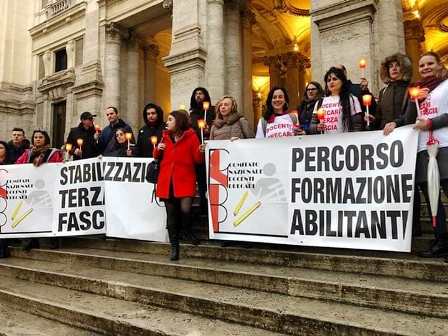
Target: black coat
(392,103)
(306,114)
(358,92)
(144,146)
(106,140)
(89,146)
(196,115)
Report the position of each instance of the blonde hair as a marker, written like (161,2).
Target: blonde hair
(234,108)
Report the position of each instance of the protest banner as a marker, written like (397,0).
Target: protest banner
(351,190)
(132,211)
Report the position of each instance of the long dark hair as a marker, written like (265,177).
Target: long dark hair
(193,103)
(269,110)
(320,91)
(182,120)
(344,95)
(159,112)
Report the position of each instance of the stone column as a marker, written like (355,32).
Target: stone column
(132,109)
(233,52)
(186,61)
(48,62)
(150,60)
(215,48)
(70,50)
(112,67)
(274,71)
(292,79)
(414,36)
(248,19)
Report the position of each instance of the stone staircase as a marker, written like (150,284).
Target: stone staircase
(93,286)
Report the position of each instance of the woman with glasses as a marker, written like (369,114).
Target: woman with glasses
(122,147)
(313,92)
(276,121)
(339,111)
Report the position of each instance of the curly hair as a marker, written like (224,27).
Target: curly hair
(233,110)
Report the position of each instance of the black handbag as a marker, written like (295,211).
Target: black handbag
(152,171)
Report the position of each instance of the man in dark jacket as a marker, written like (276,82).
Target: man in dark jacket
(85,131)
(106,141)
(153,118)
(197,112)
(17,144)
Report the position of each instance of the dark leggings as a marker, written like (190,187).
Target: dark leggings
(178,216)
(440,229)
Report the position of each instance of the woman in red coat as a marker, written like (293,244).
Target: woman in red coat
(179,152)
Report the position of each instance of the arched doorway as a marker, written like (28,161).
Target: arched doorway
(281,48)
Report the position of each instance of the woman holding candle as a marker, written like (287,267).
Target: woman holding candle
(396,73)
(313,92)
(433,106)
(229,124)
(122,146)
(343,112)
(276,121)
(179,152)
(40,152)
(154,126)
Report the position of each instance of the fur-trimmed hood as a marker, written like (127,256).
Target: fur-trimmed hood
(405,66)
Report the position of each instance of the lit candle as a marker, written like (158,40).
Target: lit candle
(367,101)
(205,106)
(68,147)
(154,141)
(129,137)
(201,124)
(321,115)
(414,92)
(362,66)
(80,142)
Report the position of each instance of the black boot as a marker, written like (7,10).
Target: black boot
(174,251)
(437,250)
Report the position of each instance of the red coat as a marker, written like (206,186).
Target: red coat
(178,165)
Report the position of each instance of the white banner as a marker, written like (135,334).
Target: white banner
(132,209)
(72,199)
(352,190)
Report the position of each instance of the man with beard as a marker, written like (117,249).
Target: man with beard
(197,112)
(85,131)
(154,126)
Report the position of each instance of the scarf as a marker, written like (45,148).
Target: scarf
(274,115)
(430,83)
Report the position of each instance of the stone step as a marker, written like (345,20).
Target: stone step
(401,265)
(422,297)
(275,312)
(112,316)
(14,322)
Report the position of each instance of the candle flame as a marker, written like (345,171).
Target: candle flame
(362,63)
(321,114)
(182,107)
(367,100)
(128,136)
(153,140)
(201,123)
(80,142)
(68,147)
(205,105)
(414,92)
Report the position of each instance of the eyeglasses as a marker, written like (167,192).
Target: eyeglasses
(311,89)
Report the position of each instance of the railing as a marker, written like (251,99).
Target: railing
(58,6)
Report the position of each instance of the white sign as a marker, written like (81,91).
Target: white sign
(351,190)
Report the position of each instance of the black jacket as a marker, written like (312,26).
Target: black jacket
(358,92)
(89,146)
(16,152)
(392,103)
(306,114)
(196,115)
(144,146)
(106,140)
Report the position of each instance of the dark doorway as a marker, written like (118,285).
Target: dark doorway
(58,124)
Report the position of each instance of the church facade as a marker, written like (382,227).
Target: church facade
(60,58)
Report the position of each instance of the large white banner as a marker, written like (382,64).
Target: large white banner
(132,209)
(73,198)
(352,190)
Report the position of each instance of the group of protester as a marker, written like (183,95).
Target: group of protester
(180,143)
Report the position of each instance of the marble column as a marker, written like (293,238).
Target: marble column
(47,58)
(187,57)
(248,19)
(132,84)
(292,79)
(215,49)
(70,50)
(414,36)
(151,52)
(274,71)
(112,67)
(233,52)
